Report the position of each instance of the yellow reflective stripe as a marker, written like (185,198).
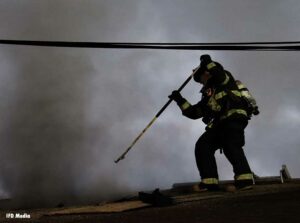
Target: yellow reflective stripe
(234,111)
(246,94)
(223,93)
(226,80)
(238,111)
(241,86)
(237,93)
(211,65)
(220,95)
(210,125)
(210,181)
(185,105)
(245,176)
(213,104)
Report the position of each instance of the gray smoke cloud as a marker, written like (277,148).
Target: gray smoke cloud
(66,114)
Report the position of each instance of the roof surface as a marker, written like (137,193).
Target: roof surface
(270,202)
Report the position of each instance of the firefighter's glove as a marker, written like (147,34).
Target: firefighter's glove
(255,111)
(176,96)
(206,119)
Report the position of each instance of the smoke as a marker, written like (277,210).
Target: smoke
(52,148)
(67,114)
(45,127)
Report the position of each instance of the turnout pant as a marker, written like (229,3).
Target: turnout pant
(228,135)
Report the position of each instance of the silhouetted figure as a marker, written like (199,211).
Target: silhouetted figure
(225,110)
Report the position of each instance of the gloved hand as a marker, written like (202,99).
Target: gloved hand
(176,96)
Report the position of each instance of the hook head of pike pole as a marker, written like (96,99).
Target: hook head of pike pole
(120,158)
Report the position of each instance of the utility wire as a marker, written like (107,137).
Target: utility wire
(234,46)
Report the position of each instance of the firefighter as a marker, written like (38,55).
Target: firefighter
(223,111)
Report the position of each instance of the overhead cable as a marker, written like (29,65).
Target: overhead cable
(226,46)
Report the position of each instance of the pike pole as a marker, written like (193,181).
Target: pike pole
(156,116)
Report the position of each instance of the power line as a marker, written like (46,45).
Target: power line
(226,46)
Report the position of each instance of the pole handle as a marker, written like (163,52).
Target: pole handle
(179,89)
(155,117)
(135,140)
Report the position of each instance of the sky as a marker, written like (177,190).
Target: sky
(67,114)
